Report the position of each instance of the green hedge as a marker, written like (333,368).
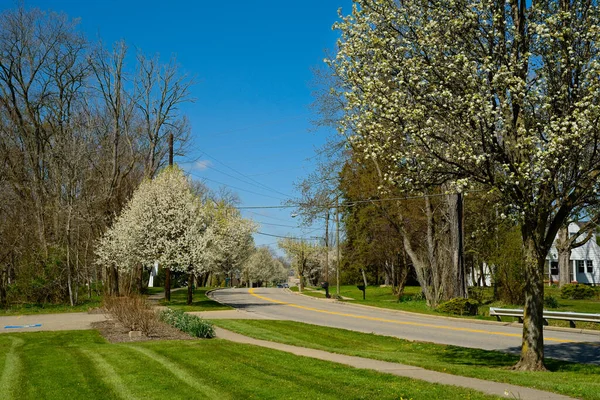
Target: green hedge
(577,291)
(191,324)
(458,306)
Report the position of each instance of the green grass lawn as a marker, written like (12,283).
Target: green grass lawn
(81,365)
(200,301)
(383,297)
(578,380)
(46,308)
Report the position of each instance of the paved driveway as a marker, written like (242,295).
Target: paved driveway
(48,322)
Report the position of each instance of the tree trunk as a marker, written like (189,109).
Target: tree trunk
(114,281)
(190,290)
(532,350)
(3,285)
(455,222)
(564,256)
(167,284)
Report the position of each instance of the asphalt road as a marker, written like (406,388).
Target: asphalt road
(275,303)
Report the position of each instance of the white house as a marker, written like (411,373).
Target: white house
(585,260)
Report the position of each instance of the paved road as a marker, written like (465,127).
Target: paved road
(281,304)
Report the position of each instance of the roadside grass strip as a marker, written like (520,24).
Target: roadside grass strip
(13,366)
(570,379)
(181,374)
(109,375)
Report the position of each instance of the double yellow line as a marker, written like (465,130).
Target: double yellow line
(392,321)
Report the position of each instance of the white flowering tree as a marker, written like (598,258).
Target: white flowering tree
(163,222)
(232,241)
(504,95)
(263,266)
(303,255)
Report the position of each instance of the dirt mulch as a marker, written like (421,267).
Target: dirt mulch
(115,332)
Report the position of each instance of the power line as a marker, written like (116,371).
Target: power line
(351,203)
(246,176)
(287,237)
(235,187)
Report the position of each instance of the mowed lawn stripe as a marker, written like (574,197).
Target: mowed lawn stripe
(180,374)
(109,375)
(12,369)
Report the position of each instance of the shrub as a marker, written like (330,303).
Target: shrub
(550,302)
(191,324)
(134,312)
(576,291)
(458,306)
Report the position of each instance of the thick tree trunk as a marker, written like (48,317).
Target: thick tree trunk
(532,350)
(168,284)
(564,256)
(190,289)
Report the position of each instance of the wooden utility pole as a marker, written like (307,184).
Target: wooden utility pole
(167,268)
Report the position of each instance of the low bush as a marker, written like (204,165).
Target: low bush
(577,291)
(550,302)
(134,312)
(458,306)
(191,324)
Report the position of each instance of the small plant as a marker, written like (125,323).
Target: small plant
(458,306)
(191,324)
(134,312)
(550,302)
(577,291)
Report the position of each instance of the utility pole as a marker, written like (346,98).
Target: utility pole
(168,268)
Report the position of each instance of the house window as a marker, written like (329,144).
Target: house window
(554,267)
(590,266)
(580,267)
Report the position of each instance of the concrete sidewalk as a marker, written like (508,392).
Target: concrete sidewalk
(488,387)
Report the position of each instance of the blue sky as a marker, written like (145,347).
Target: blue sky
(252,61)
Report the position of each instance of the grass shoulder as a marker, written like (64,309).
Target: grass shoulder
(577,380)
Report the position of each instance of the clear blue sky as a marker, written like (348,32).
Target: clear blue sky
(252,61)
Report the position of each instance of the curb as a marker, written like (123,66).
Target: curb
(475,321)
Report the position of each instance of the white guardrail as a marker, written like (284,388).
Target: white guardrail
(565,316)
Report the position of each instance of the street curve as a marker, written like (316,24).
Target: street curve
(281,304)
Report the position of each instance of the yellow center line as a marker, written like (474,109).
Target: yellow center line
(392,321)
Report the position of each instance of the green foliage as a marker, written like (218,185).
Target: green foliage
(191,324)
(577,291)
(458,306)
(509,262)
(551,302)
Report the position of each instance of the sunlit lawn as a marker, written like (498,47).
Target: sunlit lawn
(48,308)
(81,365)
(578,380)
